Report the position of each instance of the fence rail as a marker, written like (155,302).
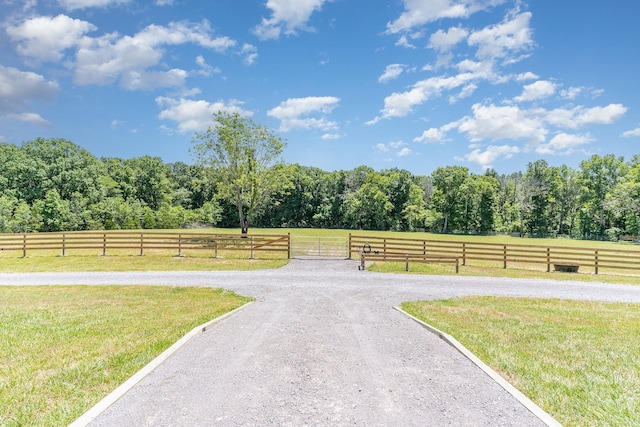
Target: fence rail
(503,254)
(142,242)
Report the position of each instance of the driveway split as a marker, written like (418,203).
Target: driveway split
(323,346)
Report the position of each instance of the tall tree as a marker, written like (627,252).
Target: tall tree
(246,160)
(446,196)
(598,176)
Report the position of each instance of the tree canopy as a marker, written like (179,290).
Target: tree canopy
(55,185)
(244,158)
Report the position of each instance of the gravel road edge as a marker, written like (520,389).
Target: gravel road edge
(517,394)
(123,388)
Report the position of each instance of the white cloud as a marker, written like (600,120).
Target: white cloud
(205,69)
(288,16)
(466,92)
(391,72)
(509,122)
(401,104)
(382,147)
(526,76)
(631,133)
(431,135)
(31,118)
(112,58)
(581,116)
(421,12)
(18,87)
(403,41)
(84,4)
(331,136)
(164,2)
(196,115)
(45,38)
(404,152)
(250,53)
(445,41)
(291,112)
(537,90)
(501,40)
(563,144)
(571,93)
(490,154)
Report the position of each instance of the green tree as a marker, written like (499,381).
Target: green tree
(598,176)
(447,198)
(245,159)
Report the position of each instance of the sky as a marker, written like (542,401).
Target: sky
(409,84)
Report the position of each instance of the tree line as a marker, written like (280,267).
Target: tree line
(55,185)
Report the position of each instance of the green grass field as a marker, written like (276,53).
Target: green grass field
(577,360)
(64,348)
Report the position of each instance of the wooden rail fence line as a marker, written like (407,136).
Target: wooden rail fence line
(142,241)
(562,258)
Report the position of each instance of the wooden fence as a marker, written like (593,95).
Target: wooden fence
(515,255)
(141,242)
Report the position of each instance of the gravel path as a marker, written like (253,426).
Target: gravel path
(323,346)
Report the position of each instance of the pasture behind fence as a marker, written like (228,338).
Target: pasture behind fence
(504,255)
(106,243)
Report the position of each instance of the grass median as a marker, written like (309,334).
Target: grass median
(63,348)
(577,360)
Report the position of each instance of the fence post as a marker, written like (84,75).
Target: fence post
(384,249)
(141,244)
(289,245)
(215,246)
(457,266)
(406,260)
(251,247)
(179,245)
(104,244)
(349,247)
(464,254)
(64,245)
(596,263)
(548,260)
(424,247)
(505,256)
(24,245)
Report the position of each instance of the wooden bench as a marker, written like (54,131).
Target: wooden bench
(566,267)
(423,258)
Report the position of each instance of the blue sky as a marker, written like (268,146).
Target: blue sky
(412,84)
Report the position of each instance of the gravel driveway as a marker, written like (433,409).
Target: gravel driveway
(323,346)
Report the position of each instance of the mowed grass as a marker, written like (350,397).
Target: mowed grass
(63,348)
(578,360)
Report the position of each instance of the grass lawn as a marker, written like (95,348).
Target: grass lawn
(63,348)
(577,360)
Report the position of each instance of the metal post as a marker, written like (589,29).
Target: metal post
(141,244)
(288,245)
(104,244)
(215,247)
(596,262)
(63,245)
(406,260)
(179,245)
(24,245)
